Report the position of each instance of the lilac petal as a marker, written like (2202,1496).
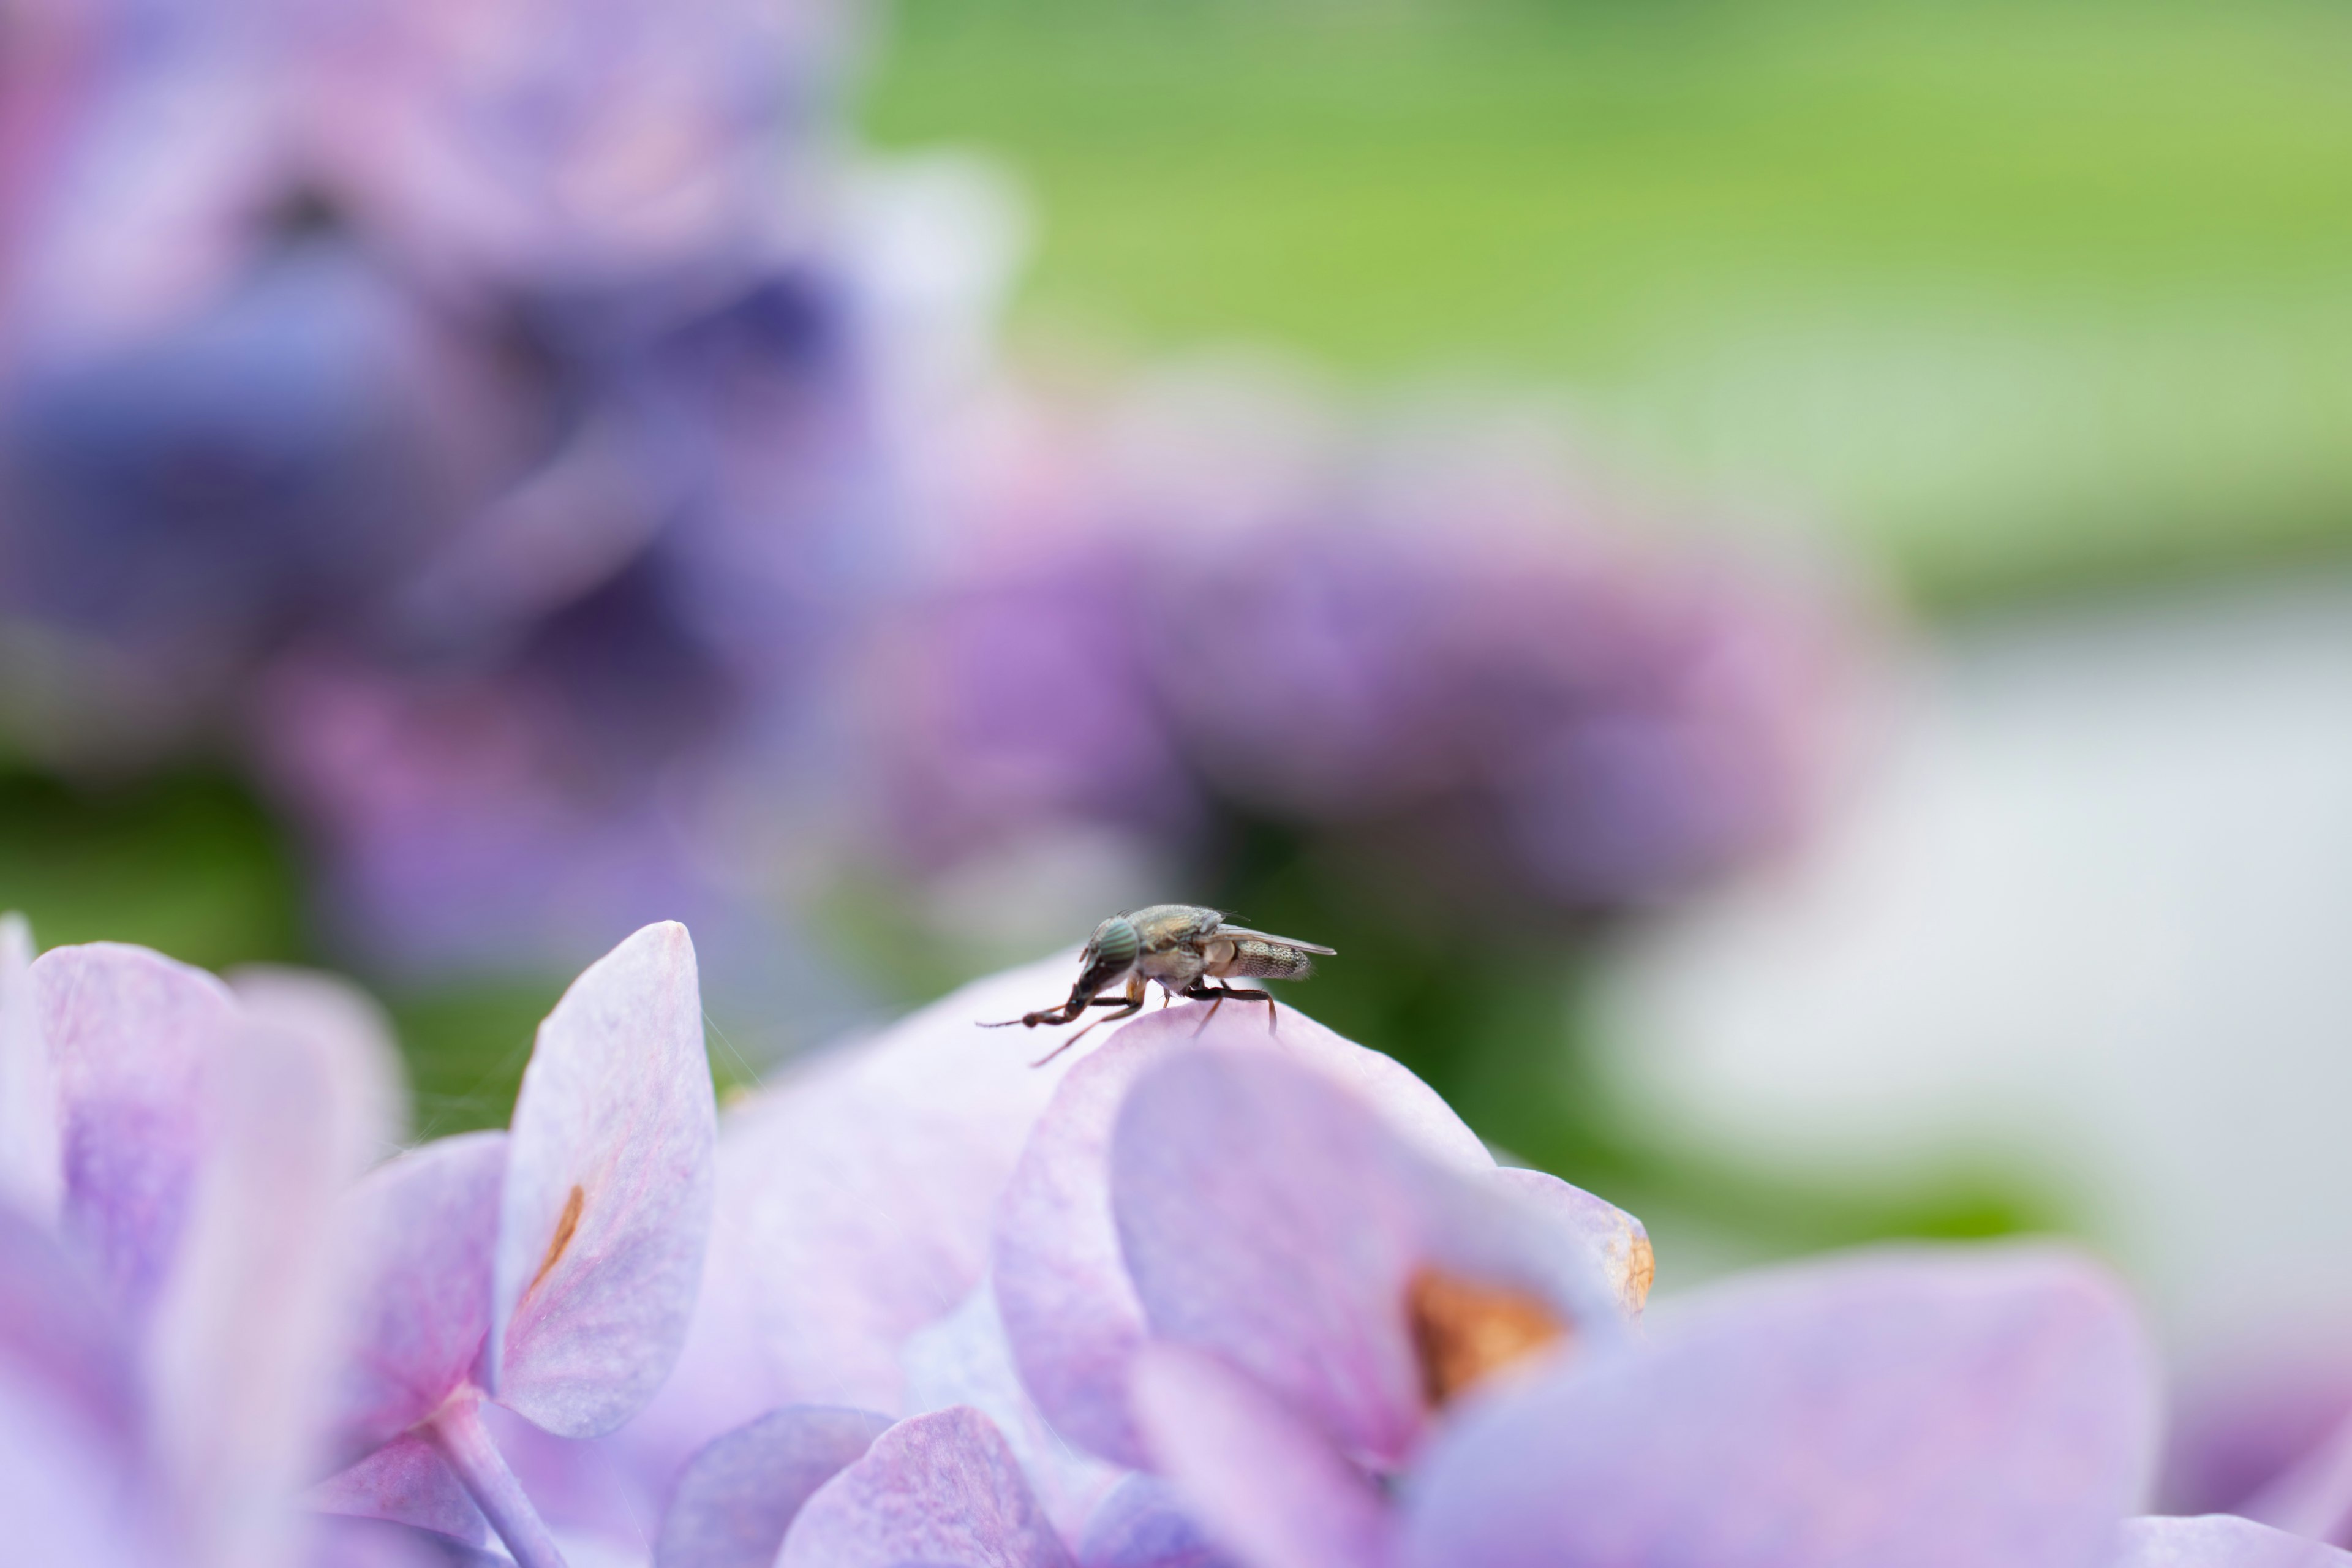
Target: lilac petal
(32,1166)
(244,1332)
(1960,1409)
(424,1228)
(1142,1525)
(57,1339)
(313,1002)
(404,1481)
(64,1492)
(738,1497)
(1070,1312)
(2220,1540)
(963,1359)
(1268,1214)
(353,1542)
(1263,1481)
(131,1032)
(1616,1237)
(936,1488)
(608,1193)
(864,1184)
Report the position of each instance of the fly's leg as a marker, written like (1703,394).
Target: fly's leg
(1218,996)
(1128,1006)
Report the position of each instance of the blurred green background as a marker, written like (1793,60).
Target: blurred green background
(2017,301)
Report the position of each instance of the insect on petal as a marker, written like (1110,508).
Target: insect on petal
(607,1202)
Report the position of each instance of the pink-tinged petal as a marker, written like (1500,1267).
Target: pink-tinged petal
(131,1032)
(244,1332)
(1142,1525)
(865,1181)
(1959,1409)
(1620,1241)
(2219,1540)
(738,1497)
(1262,1482)
(1273,1216)
(938,1488)
(65,1493)
(32,1164)
(1070,1311)
(357,1543)
(57,1339)
(608,1193)
(963,1359)
(423,1229)
(313,1002)
(403,1482)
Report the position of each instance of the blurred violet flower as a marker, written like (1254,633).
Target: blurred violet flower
(462,406)
(1435,646)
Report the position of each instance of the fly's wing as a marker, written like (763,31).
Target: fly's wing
(1242,933)
(1258,956)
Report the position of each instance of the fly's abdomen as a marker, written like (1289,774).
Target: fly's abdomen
(1254,958)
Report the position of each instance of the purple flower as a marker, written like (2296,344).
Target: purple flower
(1468,672)
(1353,1354)
(552,1269)
(165,1348)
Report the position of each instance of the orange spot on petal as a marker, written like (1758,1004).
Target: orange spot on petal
(564,1227)
(1464,1332)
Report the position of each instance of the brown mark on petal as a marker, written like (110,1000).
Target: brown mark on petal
(564,1227)
(1464,1332)
(1641,1269)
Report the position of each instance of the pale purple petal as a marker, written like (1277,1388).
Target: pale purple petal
(405,1481)
(738,1497)
(608,1193)
(131,1032)
(1274,1218)
(963,1359)
(936,1488)
(864,1183)
(1616,1237)
(64,1492)
(1959,1409)
(2220,1540)
(1142,1525)
(313,1002)
(57,1339)
(1070,1312)
(32,1167)
(422,1228)
(244,1333)
(353,1542)
(1262,1482)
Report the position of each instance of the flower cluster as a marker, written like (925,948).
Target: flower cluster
(1210,1294)
(1432,644)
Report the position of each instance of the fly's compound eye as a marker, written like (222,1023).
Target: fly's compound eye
(1113,946)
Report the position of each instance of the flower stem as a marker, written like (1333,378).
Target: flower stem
(458,1434)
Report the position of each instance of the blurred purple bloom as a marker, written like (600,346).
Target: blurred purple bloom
(1464,664)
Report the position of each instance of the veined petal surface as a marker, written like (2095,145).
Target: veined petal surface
(938,1488)
(738,1496)
(607,1203)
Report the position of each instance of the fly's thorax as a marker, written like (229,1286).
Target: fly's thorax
(1172,925)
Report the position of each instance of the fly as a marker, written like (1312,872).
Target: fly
(1187,950)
